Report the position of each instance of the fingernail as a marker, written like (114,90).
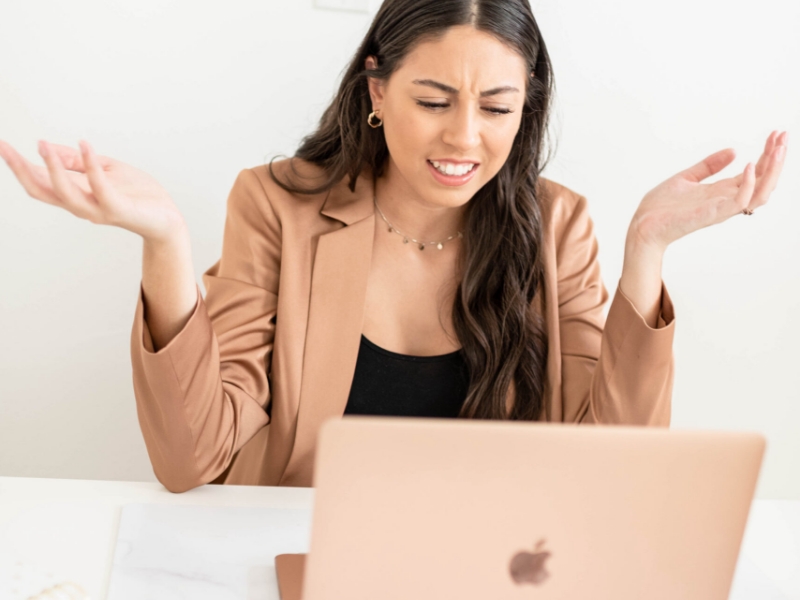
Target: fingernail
(43,149)
(780,152)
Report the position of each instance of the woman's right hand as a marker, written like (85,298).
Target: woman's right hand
(97,188)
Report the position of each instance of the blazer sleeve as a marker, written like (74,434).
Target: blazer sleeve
(201,397)
(619,371)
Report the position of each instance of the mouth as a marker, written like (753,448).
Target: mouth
(450,173)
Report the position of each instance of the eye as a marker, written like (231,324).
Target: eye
(491,109)
(431,104)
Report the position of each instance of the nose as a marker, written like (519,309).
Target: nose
(462,130)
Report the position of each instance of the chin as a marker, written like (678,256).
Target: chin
(453,200)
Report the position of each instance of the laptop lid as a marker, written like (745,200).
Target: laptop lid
(451,508)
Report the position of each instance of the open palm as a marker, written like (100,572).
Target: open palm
(682,204)
(96,188)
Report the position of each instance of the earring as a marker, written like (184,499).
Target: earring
(369,119)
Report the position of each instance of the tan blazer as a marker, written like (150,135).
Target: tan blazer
(239,394)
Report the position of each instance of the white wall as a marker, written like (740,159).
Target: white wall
(192,93)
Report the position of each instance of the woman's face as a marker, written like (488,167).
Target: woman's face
(455,102)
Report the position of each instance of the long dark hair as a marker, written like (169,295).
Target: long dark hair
(504,339)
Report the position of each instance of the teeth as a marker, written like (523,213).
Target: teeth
(451,169)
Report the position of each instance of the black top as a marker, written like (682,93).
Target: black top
(388,383)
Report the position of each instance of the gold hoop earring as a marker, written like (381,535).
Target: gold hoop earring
(369,120)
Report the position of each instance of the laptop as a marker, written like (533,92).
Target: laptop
(429,508)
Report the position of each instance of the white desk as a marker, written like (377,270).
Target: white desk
(54,530)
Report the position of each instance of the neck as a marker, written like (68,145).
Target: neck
(411,214)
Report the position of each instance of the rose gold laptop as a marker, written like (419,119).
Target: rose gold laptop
(434,509)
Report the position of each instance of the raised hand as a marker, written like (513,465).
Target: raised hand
(97,188)
(681,204)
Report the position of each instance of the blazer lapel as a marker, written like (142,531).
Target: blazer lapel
(335,320)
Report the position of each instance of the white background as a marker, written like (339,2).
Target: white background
(192,92)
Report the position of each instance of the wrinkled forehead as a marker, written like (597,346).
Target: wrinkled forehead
(464,56)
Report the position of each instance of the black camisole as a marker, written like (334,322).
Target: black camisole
(391,384)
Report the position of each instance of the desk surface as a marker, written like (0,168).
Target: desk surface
(54,530)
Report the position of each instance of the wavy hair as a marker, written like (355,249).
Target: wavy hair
(504,339)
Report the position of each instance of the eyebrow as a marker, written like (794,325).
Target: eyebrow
(451,90)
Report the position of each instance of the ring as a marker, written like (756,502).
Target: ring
(747,212)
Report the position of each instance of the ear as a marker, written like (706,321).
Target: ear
(375,85)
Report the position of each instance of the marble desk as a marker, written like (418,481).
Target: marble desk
(54,530)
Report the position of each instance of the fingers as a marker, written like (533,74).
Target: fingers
(70,158)
(763,161)
(764,158)
(745,193)
(96,174)
(32,178)
(73,160)
(711,164)
(74,199)
(769,179)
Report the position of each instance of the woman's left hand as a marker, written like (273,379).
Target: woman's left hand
(681,204)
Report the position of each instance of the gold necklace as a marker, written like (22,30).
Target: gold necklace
(406,238)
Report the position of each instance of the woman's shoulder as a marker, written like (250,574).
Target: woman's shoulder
(293,172)
(562,207)
(259,203)
(557,199)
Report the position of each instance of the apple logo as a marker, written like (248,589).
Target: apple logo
(528,567)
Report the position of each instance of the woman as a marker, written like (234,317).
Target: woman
(408,260)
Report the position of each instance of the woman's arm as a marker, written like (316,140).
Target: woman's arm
(614,370)
(206,392)
(681,205)
(641,278)
(168,284)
